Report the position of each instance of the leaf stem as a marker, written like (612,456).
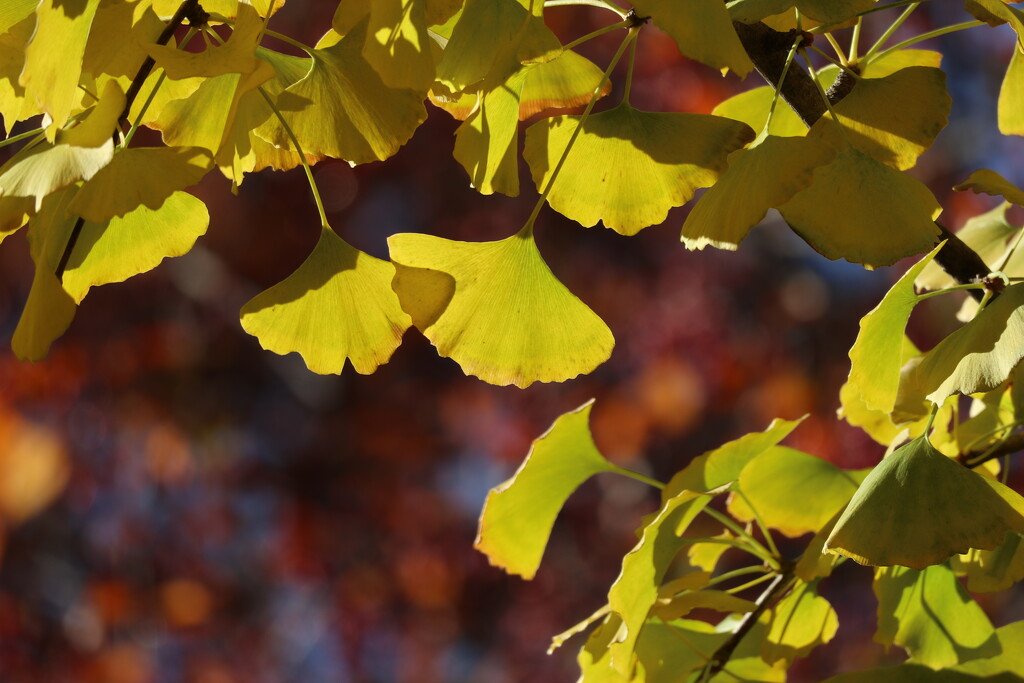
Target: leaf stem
(891,30)
(947,290)
(778,88)
(742,571)
(855,41)
(603,4)
(594,34)
(760,523)
(629,73)
(750,584)
(639,477)
(527,228)
(21,136)
(754,549)
(931,34)
(835,46)
(824,96)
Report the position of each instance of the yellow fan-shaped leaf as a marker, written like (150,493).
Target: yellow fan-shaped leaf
(894,119)
(997,12)
(650,163)
(98,128)
(875,357)
(397,45)
(987,234)
(236,55)
(53,58)
(1011,97)
(987,181)
(342,109)
(769,482)
(703,31)
(14,213)
(41,170)
(14,104)
(759,178)
(800,622)
(707,555)
(139,176)
(14,12)
(119,31)
(918,507)
(680,605)
(496,309)
(337,305)
(992,571)
(861,210)
(823,11)
(980,355)
(137,242)
(929,614)
(518,515)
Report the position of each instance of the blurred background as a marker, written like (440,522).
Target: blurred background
(178,505)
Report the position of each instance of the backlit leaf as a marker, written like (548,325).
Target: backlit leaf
(680,605)
(861,210)
(706,555)
(139,176)
(797,624)
(44,169)
(875,361)
(650,163)
(14,213)
(814,562)
(989,182)
(759,178)
(930,615)
(997,12)
(496,309)
(991,571)
(14,12)
(987,234)
(236,55)
(893,119)
(397,45)
(1011,97)
(98,128)
(337,305)
(518,515)
(14,104)
(703,32)
(915,673)
(1010,661)
(770,480)
(823,11)
(119,31)
(918,507)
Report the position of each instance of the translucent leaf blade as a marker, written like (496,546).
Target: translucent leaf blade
(40,171)
(800,622)
(703,32)
(1010,106)
(989,182)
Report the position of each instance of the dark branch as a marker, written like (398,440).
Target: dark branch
(768,49)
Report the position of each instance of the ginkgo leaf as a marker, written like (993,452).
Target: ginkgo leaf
(139,176)
(823,11)
(707,555)
(493,30)
(797,624)
(14,213)
(120,248)
(1010,106)
(980,355)
(518,515)
(99,126)
(168,91)
(814,562)
(397,45)
(53,58)
(875,361)
(987,181)
(14,12)
(987,234)
(769,480)
(680,605)
(337,305)
(496,309)
(225,8)
(486,142)
(236,55)
(992,571)
(15,105)
(703,32)
(997,12)
(930,615)
(913,673)
(759,178)
(650,163)
(918,507)
(635,590)
(863,211)
(342,109)
(44,169)
(1009,661)
(894,119)
(716,469)
(119,31)
(47,315)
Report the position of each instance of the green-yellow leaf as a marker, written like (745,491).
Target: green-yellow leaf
(707,555)
(337,305)
(918,507)
(1008,666)
(1011,97)
(518,515)
(397,45)
(877,355)
(139,176)
(800,622)
(14,213)
(996,12)
(703,32)
(236,55)
(496,309)
(651,162)
(14,12)
(14,104)
(814,562)
(770,481)
(98,128)
(680,605)
(44,169)
(991,571)
(119,31)
(823,11)
(759,178)
(930,615)
(893,119)
(987,181)
(115,250)
(53,58)
(915,673)
(486,142)
(863,211)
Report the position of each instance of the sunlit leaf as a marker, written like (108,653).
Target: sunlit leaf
(337,306)
(861,210)
(225,8)
(139,176)
(875,361)
(41,170)
(115,250)
(980,355)
(14,12)
(814,562)
(680,605)
(996,12)
(914,673)
(98,128)
(518,515)
(930,615)
(53,58)
(14,104)
(991,571)
(342,109)
(707,555)
(987,234)
(650,163)
(119,31)
(918,507)
(769,481)
(486,142)
(703,32)
(893,119)
(759,178)
(14,213)
(989,182)
(1011,97)
(824,11)
(397,45)
(496,309)
(797,624)
(236,55)
(1009,661)
(720,467)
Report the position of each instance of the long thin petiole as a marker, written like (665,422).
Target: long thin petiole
(824,97)
(21,136)
(891,30)
(947,290)
(837,47)
(778,87)
(639,477)
(855,41)
(742,571)
(594,34)
(760,523)
(603,4)
(750,584)
(931,34)
(629,72)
